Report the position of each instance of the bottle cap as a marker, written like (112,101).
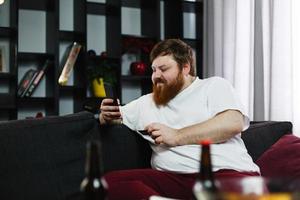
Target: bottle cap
(205,142)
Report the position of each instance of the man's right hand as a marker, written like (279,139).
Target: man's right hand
(109,112)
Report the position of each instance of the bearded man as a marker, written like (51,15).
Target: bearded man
(181,111)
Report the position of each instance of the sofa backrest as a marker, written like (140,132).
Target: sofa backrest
(44,158)
(261,135)
(124,149)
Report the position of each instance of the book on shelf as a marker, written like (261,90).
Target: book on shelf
(68,62)
(2,59)
(26,81)
(37,79)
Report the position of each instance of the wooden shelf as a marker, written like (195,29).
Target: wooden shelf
(47,5)
(135,78)
(71,36)
(7,101)
(6,32)
(131,3)
(35,101)
(96,8)
(30,57)
(99,58)
(6,76)
(67,90)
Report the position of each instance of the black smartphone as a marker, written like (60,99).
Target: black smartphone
(111,93)
(143,132)
(115,102)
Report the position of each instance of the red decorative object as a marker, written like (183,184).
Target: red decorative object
(103,54)
(39,115)
(135,45)
(138,68)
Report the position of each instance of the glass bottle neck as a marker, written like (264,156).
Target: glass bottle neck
(206,166)
(93,168)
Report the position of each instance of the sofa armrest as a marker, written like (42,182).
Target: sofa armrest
(44,158)
(123,148)
(260,136)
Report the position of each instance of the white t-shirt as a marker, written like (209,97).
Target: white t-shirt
(200,101)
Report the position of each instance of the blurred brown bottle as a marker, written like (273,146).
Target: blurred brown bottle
(91,187)
(205,188)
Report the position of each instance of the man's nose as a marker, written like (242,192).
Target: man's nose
(157,73)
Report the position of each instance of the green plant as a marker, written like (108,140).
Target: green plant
(102,67)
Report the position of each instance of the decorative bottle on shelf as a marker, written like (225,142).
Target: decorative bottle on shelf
(205,188)
(92,187)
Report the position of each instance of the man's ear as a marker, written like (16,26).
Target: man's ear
(186,69)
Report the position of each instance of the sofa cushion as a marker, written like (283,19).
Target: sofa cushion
(282,159)
(123,148)
(44,158)
(260,136)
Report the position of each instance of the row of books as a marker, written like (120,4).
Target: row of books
(32,77)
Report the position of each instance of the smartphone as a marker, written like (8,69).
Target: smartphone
(111,93)
(143,132)
(115,102)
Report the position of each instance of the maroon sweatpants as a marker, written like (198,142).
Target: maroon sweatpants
(140,184)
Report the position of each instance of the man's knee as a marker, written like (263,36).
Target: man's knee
(119,176)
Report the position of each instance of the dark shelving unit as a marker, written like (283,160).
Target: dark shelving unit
(29,101)
(135,78)
(7,102)
(6,32)
(8,78)
(34,57)
(77,92)
(174,10)
(72,36)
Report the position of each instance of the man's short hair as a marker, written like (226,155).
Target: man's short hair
(181,52)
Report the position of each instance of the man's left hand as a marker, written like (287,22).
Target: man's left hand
(162,134)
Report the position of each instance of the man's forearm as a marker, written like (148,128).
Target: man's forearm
(218,129)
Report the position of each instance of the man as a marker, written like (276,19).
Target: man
(181,111)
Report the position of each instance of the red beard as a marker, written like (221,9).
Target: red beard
(162,94)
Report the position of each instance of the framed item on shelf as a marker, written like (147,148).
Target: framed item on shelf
(2,59)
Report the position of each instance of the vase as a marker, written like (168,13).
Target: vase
(138,68)
(98,87)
